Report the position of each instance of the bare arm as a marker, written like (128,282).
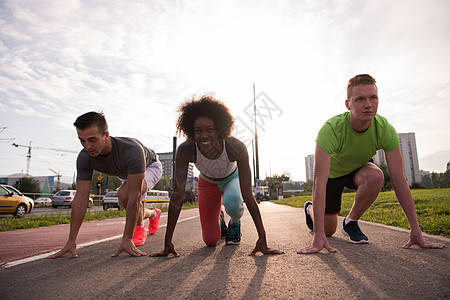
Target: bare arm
(79,206)
(401,188)
(245,182)
(135,190)
(322,163)
(404,197)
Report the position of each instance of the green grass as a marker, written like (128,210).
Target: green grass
(11,223)
(432,206)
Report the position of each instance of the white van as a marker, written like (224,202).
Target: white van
(157,196)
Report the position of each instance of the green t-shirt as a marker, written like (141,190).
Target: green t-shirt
(350,150)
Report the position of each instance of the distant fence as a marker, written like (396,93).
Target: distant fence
(34,196)
(96,198)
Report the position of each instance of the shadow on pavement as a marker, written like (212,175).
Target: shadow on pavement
(372,272)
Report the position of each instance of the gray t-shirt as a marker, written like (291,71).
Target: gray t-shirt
(128,156)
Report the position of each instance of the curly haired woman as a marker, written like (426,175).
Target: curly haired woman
(225,175)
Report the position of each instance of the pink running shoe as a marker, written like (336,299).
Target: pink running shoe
(139,236)
(154,223)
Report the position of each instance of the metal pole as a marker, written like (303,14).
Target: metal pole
(173,162)
(256,135)
(254,168)
(28,159)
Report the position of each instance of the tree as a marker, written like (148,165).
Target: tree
(275,181)
(27,185)
(444,181)
(387,186)
(308,186)
(436,180)
(113,182)
(426,181)
(163,184)
(417,185)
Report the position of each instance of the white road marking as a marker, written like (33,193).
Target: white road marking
(45,255)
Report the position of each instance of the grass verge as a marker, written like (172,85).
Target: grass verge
(11,223)
(432,206)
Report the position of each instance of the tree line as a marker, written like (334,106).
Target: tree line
(98,187)
(112,183)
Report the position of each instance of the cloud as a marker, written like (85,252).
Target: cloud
(136,61)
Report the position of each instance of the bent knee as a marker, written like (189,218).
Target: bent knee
(329,233)
(330,224)
(372,177)
(234,210)
(378,176)
(123,198)
(210,242)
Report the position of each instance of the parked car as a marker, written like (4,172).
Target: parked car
(111,200)
(65,198)
(18,193)
(13,204)
(45,201)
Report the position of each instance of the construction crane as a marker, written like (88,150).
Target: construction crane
(59,178)
(8,139)
(43,148)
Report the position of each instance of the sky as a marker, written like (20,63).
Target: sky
(137,61)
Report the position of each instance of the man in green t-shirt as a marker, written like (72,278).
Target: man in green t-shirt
(344,147)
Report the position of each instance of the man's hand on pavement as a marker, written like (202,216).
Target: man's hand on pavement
(317,245)
(127,246)
(417,239)
(69,247)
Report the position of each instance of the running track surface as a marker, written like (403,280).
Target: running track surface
(20,244)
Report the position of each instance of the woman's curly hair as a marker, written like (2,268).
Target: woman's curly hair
(204,106)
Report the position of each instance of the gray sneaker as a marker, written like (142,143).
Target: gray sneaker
(353,231)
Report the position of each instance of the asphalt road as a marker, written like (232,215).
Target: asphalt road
(378,270)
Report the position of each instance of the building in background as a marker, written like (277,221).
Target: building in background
(379,158)
(166,159)
(309,167)
(166,162)
(410,160)
(408,149)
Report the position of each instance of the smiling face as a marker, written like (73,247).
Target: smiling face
(95,142)
(205,135)
(363,106)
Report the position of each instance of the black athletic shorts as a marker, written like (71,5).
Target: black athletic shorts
(335,187)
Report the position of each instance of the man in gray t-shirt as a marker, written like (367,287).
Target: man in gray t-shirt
(137,167)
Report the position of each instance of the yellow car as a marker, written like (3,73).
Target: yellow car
(13,204)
